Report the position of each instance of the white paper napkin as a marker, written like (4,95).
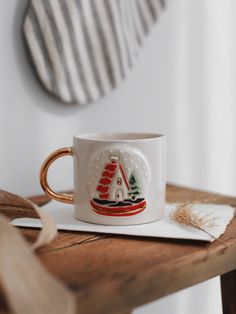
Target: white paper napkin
(164,228)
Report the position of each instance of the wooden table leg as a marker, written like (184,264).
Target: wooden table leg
(228,292)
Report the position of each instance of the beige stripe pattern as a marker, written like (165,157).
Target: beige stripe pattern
(81,49)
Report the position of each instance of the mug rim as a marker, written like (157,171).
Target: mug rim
(119,136)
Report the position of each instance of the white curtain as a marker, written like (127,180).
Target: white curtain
(182,85)
(204,111)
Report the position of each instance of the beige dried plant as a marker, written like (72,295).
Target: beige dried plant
(185,215)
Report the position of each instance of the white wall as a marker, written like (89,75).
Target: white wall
(182,85)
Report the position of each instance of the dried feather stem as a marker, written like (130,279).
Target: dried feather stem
(185,215)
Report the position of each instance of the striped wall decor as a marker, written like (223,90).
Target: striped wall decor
(82,49)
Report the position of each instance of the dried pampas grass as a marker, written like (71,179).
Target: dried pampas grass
(185,215)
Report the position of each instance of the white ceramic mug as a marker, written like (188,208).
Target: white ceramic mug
(119,178)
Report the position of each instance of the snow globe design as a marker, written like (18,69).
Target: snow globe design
(117,181)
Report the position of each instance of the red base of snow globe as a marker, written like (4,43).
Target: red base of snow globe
(120,209)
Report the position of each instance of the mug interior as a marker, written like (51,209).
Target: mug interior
(118,136)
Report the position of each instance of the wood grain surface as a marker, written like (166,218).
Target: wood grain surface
(114,274)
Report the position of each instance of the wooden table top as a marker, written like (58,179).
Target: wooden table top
(114,274)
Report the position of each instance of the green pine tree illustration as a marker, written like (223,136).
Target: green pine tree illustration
(133,186)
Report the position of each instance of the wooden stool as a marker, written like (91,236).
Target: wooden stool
(115,274)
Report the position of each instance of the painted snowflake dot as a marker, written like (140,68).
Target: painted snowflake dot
(117,181)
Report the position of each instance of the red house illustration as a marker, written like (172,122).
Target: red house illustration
(117,194)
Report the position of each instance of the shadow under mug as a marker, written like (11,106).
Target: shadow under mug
(119,178)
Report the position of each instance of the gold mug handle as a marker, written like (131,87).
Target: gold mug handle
(61,197)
